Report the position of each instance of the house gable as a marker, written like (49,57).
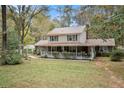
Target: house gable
(67,34)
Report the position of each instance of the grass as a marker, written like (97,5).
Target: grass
(118,68)
(54,73)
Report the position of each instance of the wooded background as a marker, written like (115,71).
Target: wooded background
(28,24)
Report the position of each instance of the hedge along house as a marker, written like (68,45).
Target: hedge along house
(72,42)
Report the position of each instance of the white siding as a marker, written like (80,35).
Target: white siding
(62,38)
(82,37)
(48,39)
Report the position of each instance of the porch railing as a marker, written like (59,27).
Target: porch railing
(68,54)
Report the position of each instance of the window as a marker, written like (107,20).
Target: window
(53,38)
(71,37)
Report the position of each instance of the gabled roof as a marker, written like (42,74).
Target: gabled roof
(41,43)
(89,42)
(67,30)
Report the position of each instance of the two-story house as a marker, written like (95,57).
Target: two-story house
(72,42)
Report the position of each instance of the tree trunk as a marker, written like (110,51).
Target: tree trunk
(22,38)
(4,34)
(19,44)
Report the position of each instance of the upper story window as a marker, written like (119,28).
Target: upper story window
(53,38)
(71,37)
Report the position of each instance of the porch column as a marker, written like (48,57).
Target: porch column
(41,50)
(76,51)
(51,50)
(63,49)
(69,48)
(47,50)
(92,52)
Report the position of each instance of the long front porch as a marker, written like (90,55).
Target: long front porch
(68,52)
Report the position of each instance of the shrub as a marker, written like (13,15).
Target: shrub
(73,55)
(55,54)
(45,56)
(2,59)
(116,55)
(69,55)
(66,55)
(104,54)
(13,58)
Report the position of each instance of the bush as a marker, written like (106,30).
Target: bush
(66,55)
(13,58)
(56,54)
(45,56)
(104,54)
(69,55)
(117,55)
(2,57)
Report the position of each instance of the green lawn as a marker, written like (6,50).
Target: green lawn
(118,68)
(54,73)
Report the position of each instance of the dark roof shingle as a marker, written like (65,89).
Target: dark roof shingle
(89,42)
(66,30)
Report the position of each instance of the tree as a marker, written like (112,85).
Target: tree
(84,15)
(41,25)
(22,17)
(116,25)
(58,20)
(110,24)
(12,41)
(29,39)
(4,34)
(65,15)
(4,31)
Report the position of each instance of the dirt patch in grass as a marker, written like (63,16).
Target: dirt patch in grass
(105,63)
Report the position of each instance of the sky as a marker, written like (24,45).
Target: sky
(54,13)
